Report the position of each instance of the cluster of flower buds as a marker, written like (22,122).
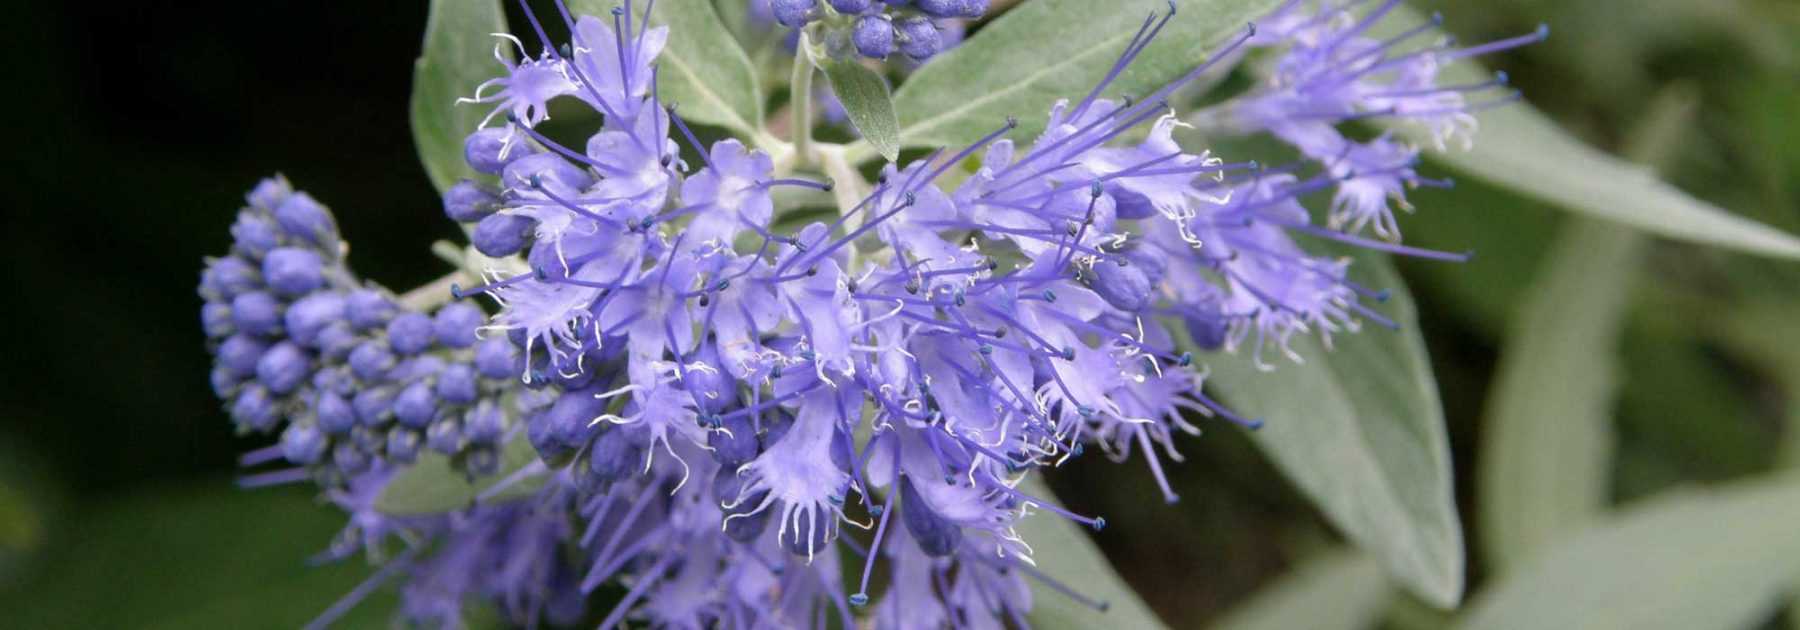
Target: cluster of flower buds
(344,372)
(879,28)
(711,397)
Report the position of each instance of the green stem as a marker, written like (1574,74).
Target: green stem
(848,186)
(800,102)
(860,151)
(431,296)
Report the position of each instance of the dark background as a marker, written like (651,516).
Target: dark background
(140,125)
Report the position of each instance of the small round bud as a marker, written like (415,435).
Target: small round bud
(445,437)
(346,457)
(735,443)
(269,193)
(336,416)
(936,536)
(303,444)
(240,353)
(335,341)
(570,419)
(374,406)
(874,36)
(455,324)
(416,406)
(257,313)
(309,316)
(940,8)
(255,234)
(485,423)
(918,37)
(851,7)
(371,360)
(335,379)
(546,170)
(224,382)
(303,218)
(483,150)
(497,359)
(546,445)
(227,277)
(292,271)
(468,202)
(368,309)
(1207,332)
(501,235)
(458,384)
(255,409)
(792,13)
(409,333)
(403,445)
(283,368)
(612,457)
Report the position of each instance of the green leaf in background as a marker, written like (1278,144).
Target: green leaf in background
(1063,551)
(1338,590)
(865,97)
(457,57)
(1045,50)
(1546,459)
(1521,149)
(197,556)
(1547,450)
(431,486)
(1360,430)
(21,530)
(702,70)
(1701,559)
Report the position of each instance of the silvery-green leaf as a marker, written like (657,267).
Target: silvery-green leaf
(1546,459)
(865,97)
(1063,551)
(702,70)
(1360,430)
(1338,590)
(1520,149)
(458,55)
(1698,559)
(431,486)
(1044,50)
(1547,434)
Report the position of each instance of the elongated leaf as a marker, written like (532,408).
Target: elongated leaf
(431,486)
(1045,50)
(865,97)
(1546,455)
(1689,560)
(1547,447)
(458,55)
(1361,431)
(1063,551)
(1340,590)
(1520,149)
(702,70)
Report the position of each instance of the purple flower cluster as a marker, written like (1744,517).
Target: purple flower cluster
(712,397)
(348,376)
(1332,72)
